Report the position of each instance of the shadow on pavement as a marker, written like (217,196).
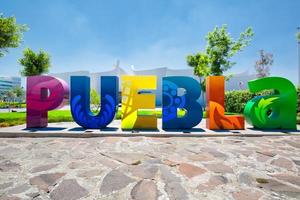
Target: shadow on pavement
(220,131)
(109,129)
(44,129)
(274,130)
(80,129)
(140,130)
(77,129)
(185,130)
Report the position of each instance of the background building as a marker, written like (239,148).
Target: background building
(7,83)
(237,82)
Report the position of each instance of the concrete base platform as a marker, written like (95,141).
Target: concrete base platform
(71,129)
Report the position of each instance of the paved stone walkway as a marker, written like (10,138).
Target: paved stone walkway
(241,168)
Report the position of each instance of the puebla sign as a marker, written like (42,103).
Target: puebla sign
(276,111)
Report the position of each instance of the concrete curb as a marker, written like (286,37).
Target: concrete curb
(162,135)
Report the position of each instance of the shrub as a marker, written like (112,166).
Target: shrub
(12,105)
(236,100)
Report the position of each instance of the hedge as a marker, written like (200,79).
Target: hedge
(298,106)
(12,105)
(236,100)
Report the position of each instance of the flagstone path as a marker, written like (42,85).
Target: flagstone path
(142,168)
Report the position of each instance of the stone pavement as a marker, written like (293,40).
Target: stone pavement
(240,168)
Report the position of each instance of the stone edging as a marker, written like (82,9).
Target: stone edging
(163,135)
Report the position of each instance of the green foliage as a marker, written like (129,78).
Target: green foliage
(12,105)
(221,47)
(236,100)
(19,92)
(9,94)
(12,98)
(200,63)
(34,63)
(215,60)
(94,101)
(298,36)
(10,33)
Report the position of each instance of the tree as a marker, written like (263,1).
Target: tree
(263,65)
(10,95)
(298,36)
(10,98)
(19,93)
(95,101)
(200,63)
(10,34)
(220,48)
(34,63)
(215,60)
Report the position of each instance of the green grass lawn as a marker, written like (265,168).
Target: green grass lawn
(16,118)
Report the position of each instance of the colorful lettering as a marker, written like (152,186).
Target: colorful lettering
(215,111)
(136,94)
(276,111)
(80,101)
(44,93)
(172,101)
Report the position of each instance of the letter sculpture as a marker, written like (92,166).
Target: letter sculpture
(277,111)
(215,111)
(44,93)
(80,101)
(188,101)
(135,96)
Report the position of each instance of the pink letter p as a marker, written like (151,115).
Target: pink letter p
(44,93)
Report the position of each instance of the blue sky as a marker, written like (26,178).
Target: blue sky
(93,34)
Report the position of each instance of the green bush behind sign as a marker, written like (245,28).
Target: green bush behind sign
(236,100)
